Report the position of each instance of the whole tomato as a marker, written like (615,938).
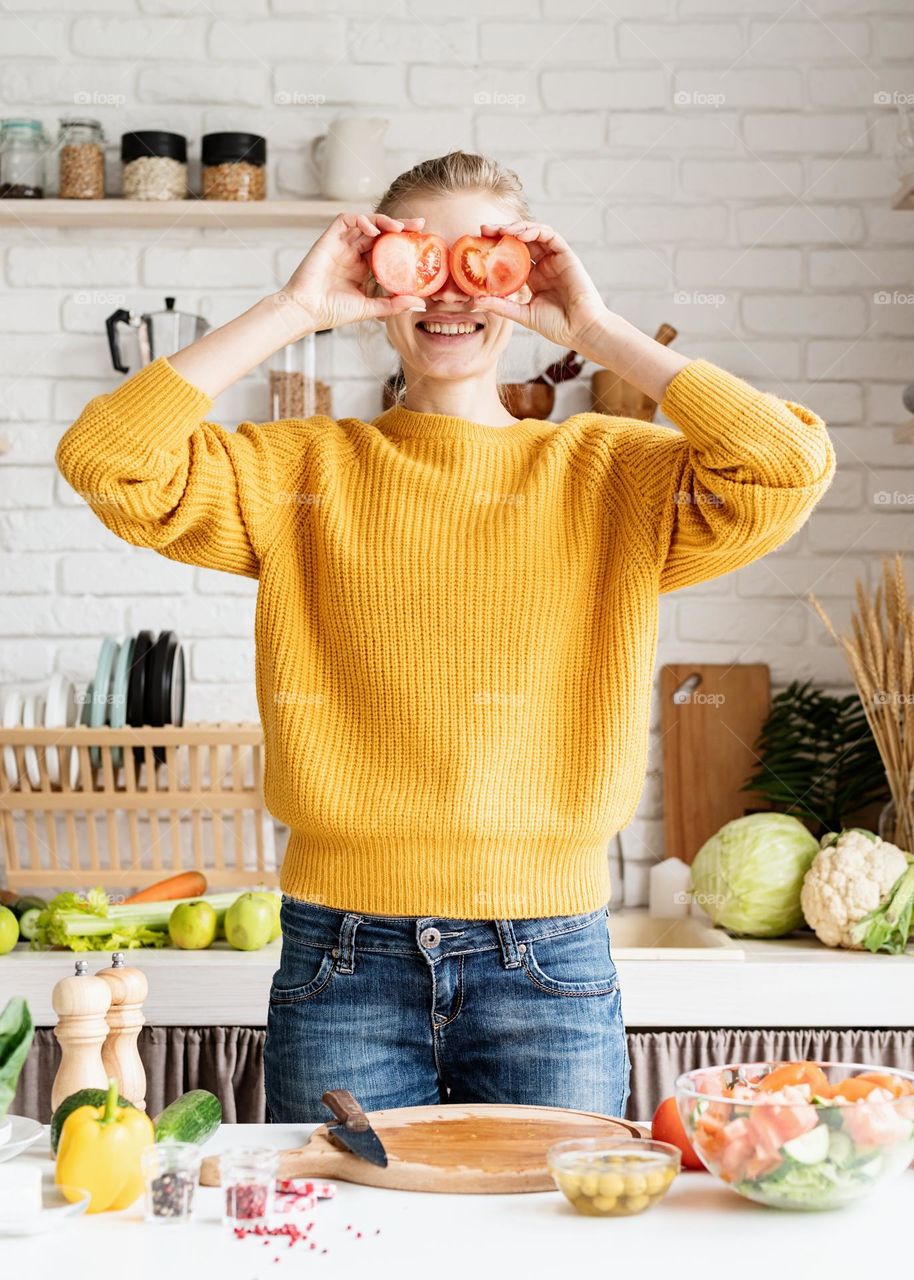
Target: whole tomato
(667,1126)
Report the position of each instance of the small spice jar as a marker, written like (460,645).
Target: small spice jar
(155,165)
(81,160)
(23,152)
(234,166)
(300,377)
(248,1179)
(170,1173)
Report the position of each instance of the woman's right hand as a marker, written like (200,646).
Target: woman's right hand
(327,289)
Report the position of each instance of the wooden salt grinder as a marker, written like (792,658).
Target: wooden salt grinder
(120,1055)
(81,1003)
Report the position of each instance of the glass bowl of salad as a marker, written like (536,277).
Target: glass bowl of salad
(800,1135)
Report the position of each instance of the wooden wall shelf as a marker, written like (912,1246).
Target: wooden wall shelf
(114,213)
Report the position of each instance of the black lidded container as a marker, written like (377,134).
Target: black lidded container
(234,166)
(154,165)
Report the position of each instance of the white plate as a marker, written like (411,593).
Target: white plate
(54,1212)
(12,719)
(33,718)
(23,1133)
(61,712)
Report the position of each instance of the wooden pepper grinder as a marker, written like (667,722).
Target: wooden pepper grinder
(120,1054)
(81,1003)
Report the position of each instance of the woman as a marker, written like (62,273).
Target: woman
(456,628)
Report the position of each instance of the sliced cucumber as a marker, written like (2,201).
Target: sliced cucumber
(809,1148)
(841,1150)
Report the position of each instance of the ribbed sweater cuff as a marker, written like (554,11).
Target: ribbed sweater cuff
(157,406)
(735,426)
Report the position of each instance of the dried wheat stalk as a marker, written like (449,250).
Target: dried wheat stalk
(880,654)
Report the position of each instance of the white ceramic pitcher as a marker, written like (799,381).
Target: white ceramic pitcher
(349,157)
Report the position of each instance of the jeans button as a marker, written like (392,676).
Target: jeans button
(430,939)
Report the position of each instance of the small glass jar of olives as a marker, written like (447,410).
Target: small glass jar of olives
(614,1177)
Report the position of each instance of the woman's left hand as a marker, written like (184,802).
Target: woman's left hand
(564,305)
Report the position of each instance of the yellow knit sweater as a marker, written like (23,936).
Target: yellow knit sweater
(456,624)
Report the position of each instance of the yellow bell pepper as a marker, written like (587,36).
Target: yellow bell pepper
(100,1150)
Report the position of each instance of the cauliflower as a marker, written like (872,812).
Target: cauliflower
(859,893)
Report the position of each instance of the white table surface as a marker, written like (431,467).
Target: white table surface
(700,1230)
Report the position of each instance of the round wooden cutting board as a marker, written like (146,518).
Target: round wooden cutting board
(450,1148)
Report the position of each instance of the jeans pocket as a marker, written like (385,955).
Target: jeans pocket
(303,973)
(573,964)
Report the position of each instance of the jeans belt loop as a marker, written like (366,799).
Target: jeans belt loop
(510,953)
(345,959)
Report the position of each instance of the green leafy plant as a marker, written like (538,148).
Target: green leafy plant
(818,759)
(16,1031)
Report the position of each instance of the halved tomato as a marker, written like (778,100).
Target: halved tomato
(496,266)
(410,262)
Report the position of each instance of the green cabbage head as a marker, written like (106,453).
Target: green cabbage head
(748,877)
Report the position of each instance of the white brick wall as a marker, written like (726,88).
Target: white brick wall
(688,147)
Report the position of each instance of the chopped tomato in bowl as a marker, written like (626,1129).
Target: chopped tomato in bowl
(799,1135)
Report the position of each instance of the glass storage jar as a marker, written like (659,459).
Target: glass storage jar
(80,160)
(155,165)
(248,1180)
(23,154)
(300,378)
(234,166)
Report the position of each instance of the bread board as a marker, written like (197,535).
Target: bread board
(476,1148)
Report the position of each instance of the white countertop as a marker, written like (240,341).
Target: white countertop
(699,1230)
(789,982)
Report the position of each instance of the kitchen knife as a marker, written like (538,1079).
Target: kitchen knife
(353,1133)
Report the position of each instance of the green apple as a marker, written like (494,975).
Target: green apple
(192,925)
(9,930)
(249,922)
(275,901)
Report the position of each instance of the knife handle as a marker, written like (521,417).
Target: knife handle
(346,1109)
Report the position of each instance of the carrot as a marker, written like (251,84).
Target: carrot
(189,884)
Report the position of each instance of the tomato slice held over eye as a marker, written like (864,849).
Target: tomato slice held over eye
(489,265)
(410,262)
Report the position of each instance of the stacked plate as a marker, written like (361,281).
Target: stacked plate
(138,681)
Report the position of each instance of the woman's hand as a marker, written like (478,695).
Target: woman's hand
(564,305)
(328,288)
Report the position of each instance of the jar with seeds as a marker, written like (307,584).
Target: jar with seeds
(234,166)
(155,165)
(81,160)
(300,378)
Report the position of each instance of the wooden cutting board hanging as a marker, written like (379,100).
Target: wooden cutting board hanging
(711,717)
(450,1148)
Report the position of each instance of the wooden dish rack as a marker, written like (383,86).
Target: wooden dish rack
(189,797)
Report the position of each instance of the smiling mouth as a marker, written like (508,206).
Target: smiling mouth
(450,329)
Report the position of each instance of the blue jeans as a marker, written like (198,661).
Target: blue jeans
(405,1011)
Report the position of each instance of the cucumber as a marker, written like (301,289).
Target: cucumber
(841,1150)
(81,1098)
(193,1117)
(28,903)
(809,1148)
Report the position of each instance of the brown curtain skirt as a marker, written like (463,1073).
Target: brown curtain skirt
(229,1062)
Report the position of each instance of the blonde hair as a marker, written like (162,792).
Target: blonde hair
(447,175)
